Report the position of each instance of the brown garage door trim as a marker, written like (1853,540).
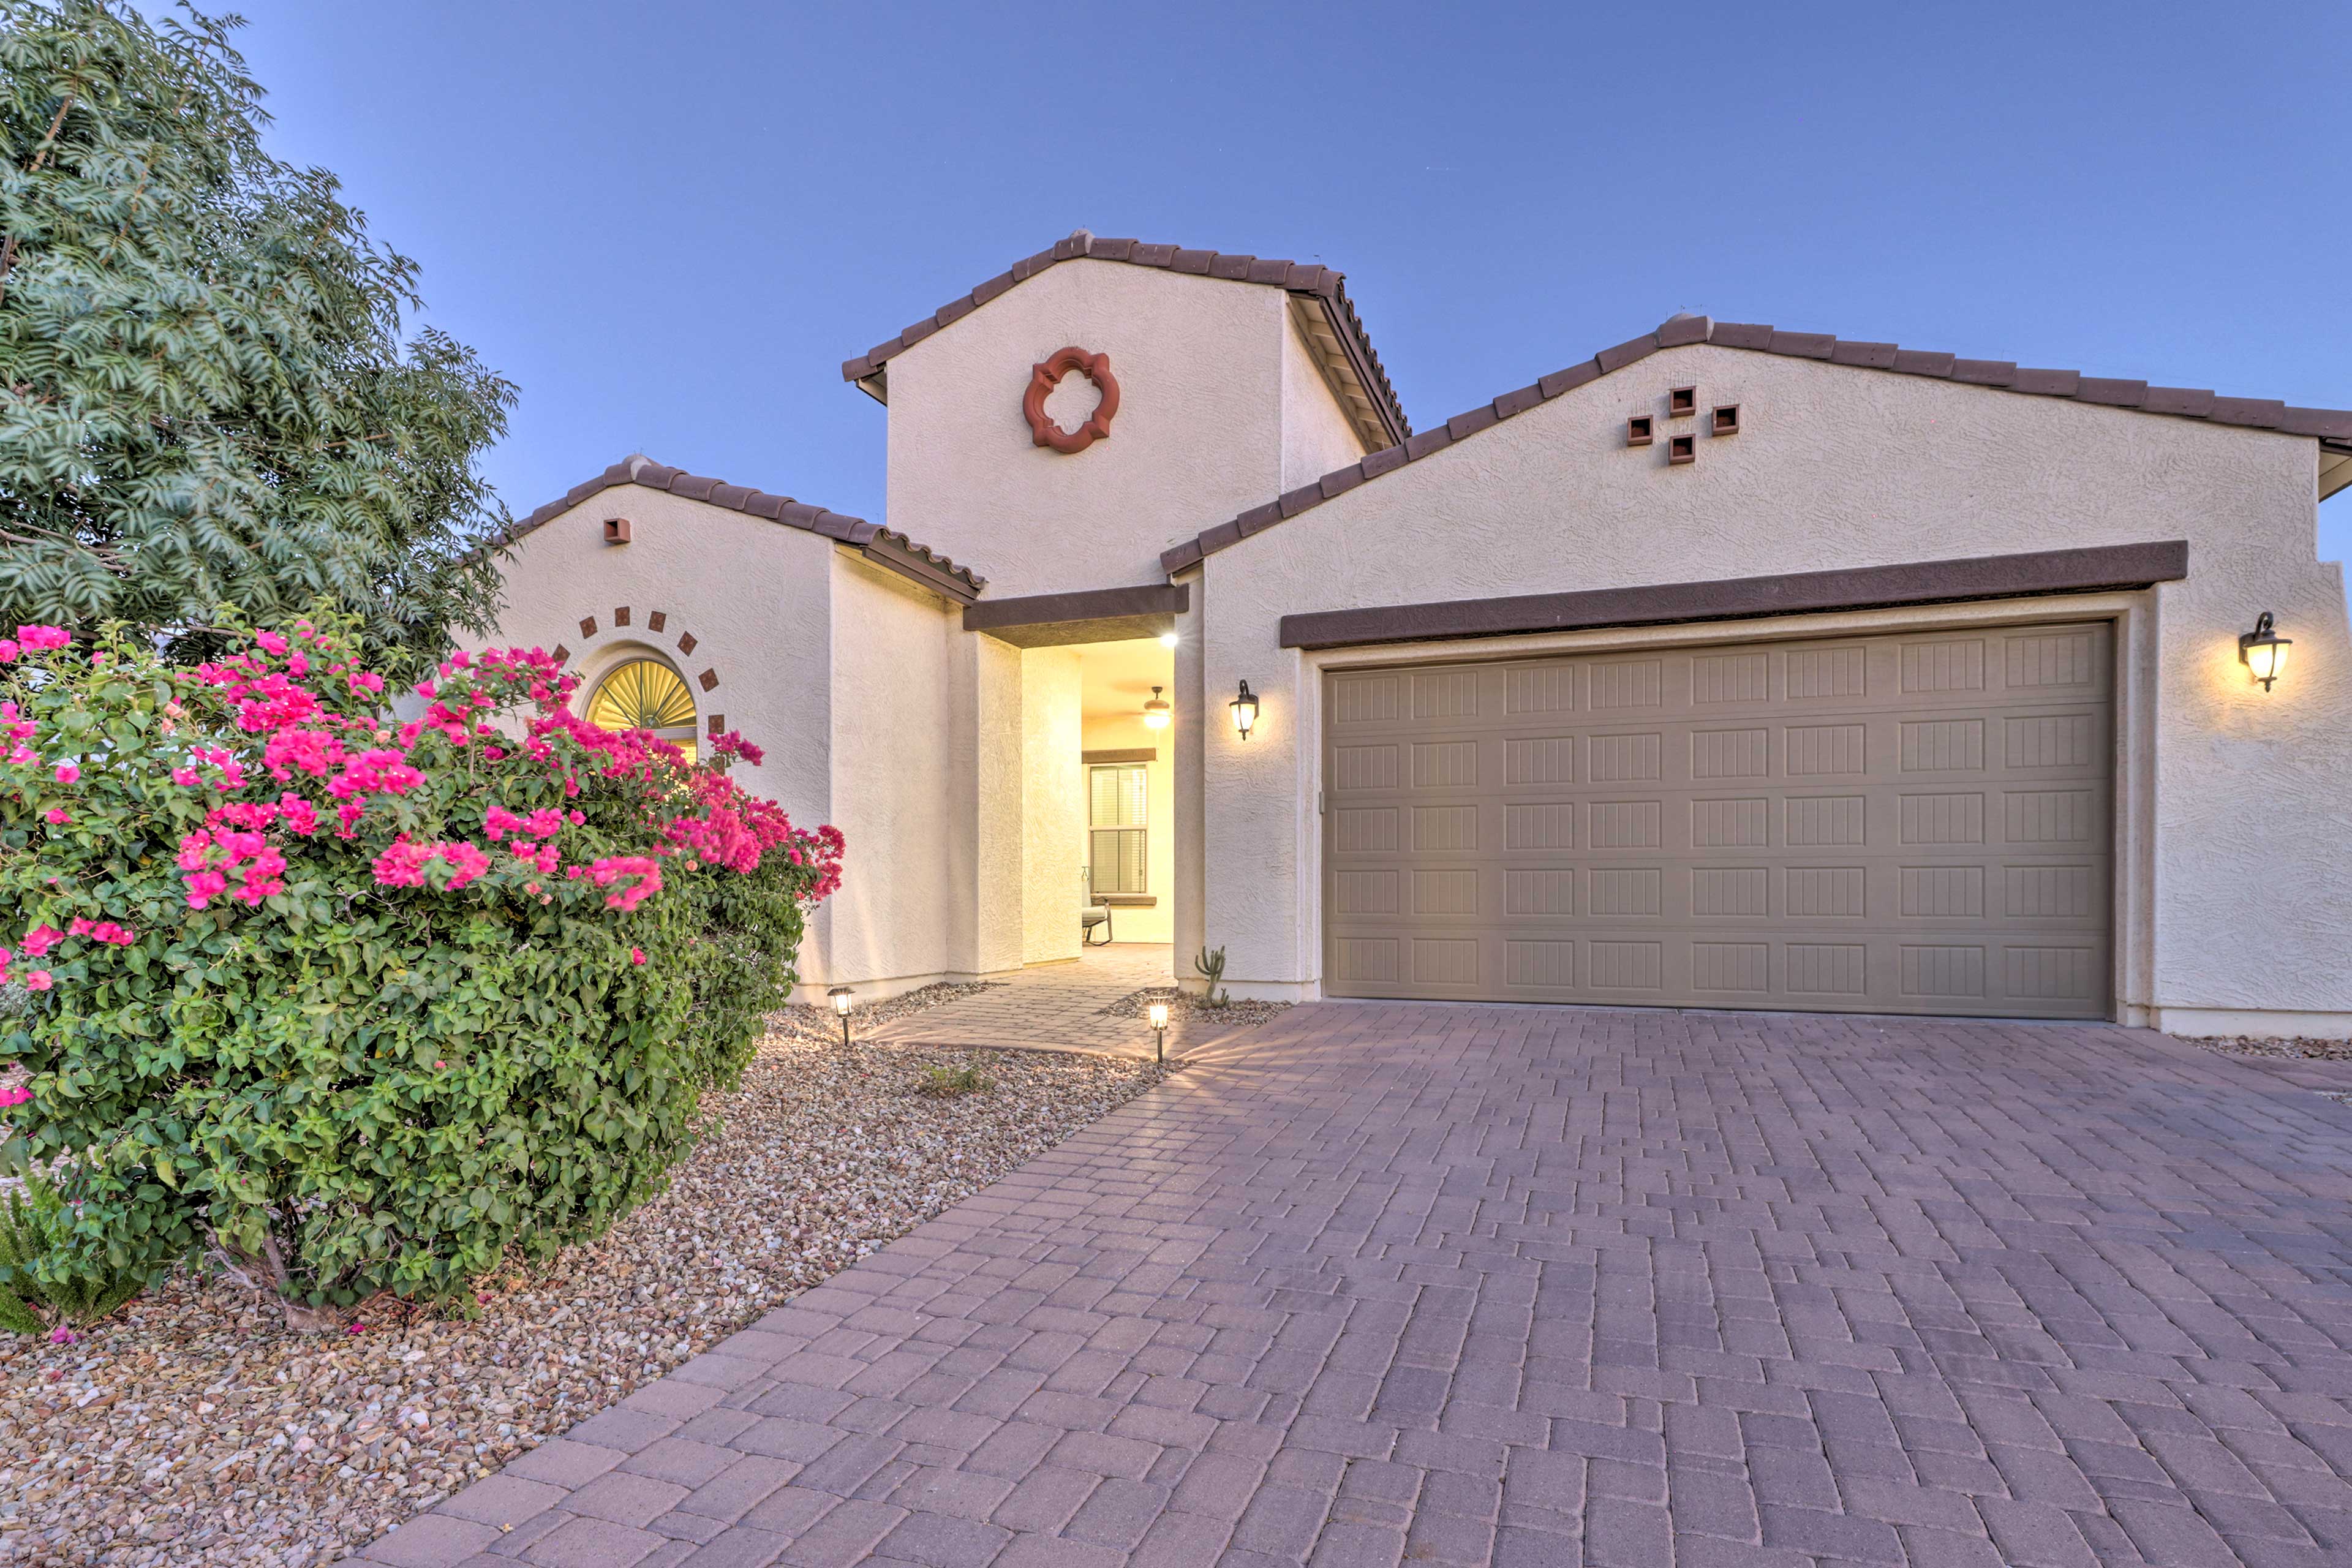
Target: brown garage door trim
(2090,569)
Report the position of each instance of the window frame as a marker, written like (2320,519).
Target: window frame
(1141,829)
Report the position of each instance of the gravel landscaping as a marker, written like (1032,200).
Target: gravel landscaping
(2307,1050)
(1187,1007)
(192,1428)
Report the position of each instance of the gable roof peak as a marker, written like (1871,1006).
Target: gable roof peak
(2331,426)
(1370,401)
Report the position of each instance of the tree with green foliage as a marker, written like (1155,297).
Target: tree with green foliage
(205,398)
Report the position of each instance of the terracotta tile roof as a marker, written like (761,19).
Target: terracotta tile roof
(892,548)
(2333,425)
(1300,278)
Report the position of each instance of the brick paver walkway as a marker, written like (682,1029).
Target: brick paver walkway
(1460,1285)
(1059,1007)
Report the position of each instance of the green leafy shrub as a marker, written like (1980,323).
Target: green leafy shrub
(35,1226)
(947,1083)
(357,1007)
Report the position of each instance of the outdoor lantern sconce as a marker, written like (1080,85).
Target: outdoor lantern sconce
(841,996)
(1160,1033)
(2263,651)
(1155,712)
(1245,711)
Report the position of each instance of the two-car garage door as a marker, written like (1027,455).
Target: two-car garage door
(1915,824)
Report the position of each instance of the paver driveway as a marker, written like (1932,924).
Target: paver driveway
(1453,1284)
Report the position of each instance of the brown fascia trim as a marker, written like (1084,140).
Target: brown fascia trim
(896,551)
(921,563)
(2086,569)
(2328,425)
(1121,754)
(1095,615)
(1305,279)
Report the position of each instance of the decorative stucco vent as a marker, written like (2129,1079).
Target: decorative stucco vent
(1726,419)
(1682,449)
(616,530)
(1638,430)
(1682,402)
(620,616)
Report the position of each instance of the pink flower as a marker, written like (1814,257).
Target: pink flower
(637,955)
(61,1335)
(270,642)
(7,650)
(43,636)
(356,1329)
(38,980)
(41,938)
(15,1094)
(58,816)
(67,772)
(186,778)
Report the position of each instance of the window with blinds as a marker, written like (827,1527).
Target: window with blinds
(1116,827)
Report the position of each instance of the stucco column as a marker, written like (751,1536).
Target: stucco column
(983,848)
(1191,819)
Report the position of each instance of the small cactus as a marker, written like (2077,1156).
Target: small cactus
(1211,964)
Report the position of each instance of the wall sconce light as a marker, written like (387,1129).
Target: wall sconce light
(1167,639)
(1160,1033)
(2263,651)
(1245,709)
(841,996)
(1155,712)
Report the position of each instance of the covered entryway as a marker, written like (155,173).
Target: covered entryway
(1897,824)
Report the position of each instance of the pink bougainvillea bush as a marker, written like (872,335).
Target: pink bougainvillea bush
(351,1004)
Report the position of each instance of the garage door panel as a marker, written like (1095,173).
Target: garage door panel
(1914,823)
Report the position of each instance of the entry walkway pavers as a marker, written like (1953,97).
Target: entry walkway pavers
(1391,1283)
(1059,1007)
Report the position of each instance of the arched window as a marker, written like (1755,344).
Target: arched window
(646,694)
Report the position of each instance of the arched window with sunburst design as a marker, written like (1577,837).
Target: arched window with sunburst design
(646,694)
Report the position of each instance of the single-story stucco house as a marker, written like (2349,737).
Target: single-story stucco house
(1727,668)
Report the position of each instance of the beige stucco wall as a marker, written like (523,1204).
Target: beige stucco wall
(2248,893)
(1198,435)
(1054,812)
(1316,434)
(892,694)
(1155,922)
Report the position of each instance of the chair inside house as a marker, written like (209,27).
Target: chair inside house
(1095,912)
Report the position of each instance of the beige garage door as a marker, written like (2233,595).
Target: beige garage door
(1913,824)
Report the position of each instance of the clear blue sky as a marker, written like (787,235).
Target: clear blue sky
(669,223)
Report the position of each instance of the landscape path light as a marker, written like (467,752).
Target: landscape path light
(841,996)
(1160,1033)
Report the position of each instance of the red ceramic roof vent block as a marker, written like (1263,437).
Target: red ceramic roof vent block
(616,530)
(1637,430)
(1726,419)
(1682,402)
(1682,449)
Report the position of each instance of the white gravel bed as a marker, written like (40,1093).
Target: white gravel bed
(193,1429)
